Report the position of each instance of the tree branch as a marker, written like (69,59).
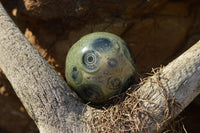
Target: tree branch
(44,94)
(178,82)
(52,105)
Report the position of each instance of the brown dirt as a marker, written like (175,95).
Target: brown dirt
(156,33)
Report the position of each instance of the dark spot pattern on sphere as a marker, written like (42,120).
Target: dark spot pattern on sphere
(102,45)
(90,92)
(91,60)
(74,69)
(116,83)
(112,62)
(128,53)
(75,74)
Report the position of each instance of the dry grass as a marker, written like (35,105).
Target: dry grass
(130,115)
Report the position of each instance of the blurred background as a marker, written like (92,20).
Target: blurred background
(156,31)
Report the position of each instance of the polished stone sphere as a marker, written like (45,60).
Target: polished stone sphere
(99,66)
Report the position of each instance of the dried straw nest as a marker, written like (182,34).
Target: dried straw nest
(129,114)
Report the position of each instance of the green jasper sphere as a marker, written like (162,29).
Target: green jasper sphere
(99,66)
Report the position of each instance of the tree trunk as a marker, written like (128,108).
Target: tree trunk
(55,108)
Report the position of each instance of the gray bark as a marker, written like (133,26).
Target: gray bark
(174,87)
(55,108)
(44,94)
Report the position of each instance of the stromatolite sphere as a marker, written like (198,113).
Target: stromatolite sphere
(99,66)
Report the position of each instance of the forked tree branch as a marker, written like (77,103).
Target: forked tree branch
(54,107)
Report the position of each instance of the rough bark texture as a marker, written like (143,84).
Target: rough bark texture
(45,95)
(51,103)
(178,81)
